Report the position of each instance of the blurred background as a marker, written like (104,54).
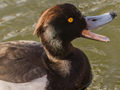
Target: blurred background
(18,19)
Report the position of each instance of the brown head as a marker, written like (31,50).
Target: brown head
(65,22)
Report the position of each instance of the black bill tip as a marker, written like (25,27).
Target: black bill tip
(113,14)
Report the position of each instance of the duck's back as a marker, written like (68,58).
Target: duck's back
(21,61)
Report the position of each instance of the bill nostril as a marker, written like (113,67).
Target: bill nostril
(94,20)
(113,14)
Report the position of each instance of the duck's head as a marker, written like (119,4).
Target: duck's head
(65,22)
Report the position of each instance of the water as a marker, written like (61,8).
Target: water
(18,19)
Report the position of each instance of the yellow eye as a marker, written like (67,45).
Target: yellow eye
(70,20)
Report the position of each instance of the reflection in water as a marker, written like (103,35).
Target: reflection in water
(18,19)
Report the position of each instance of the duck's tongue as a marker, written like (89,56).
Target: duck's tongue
(97,21)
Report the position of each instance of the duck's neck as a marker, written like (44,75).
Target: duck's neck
(56,49)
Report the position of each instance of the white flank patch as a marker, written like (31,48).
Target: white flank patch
(37,84)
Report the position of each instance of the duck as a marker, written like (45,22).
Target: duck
(53,64)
